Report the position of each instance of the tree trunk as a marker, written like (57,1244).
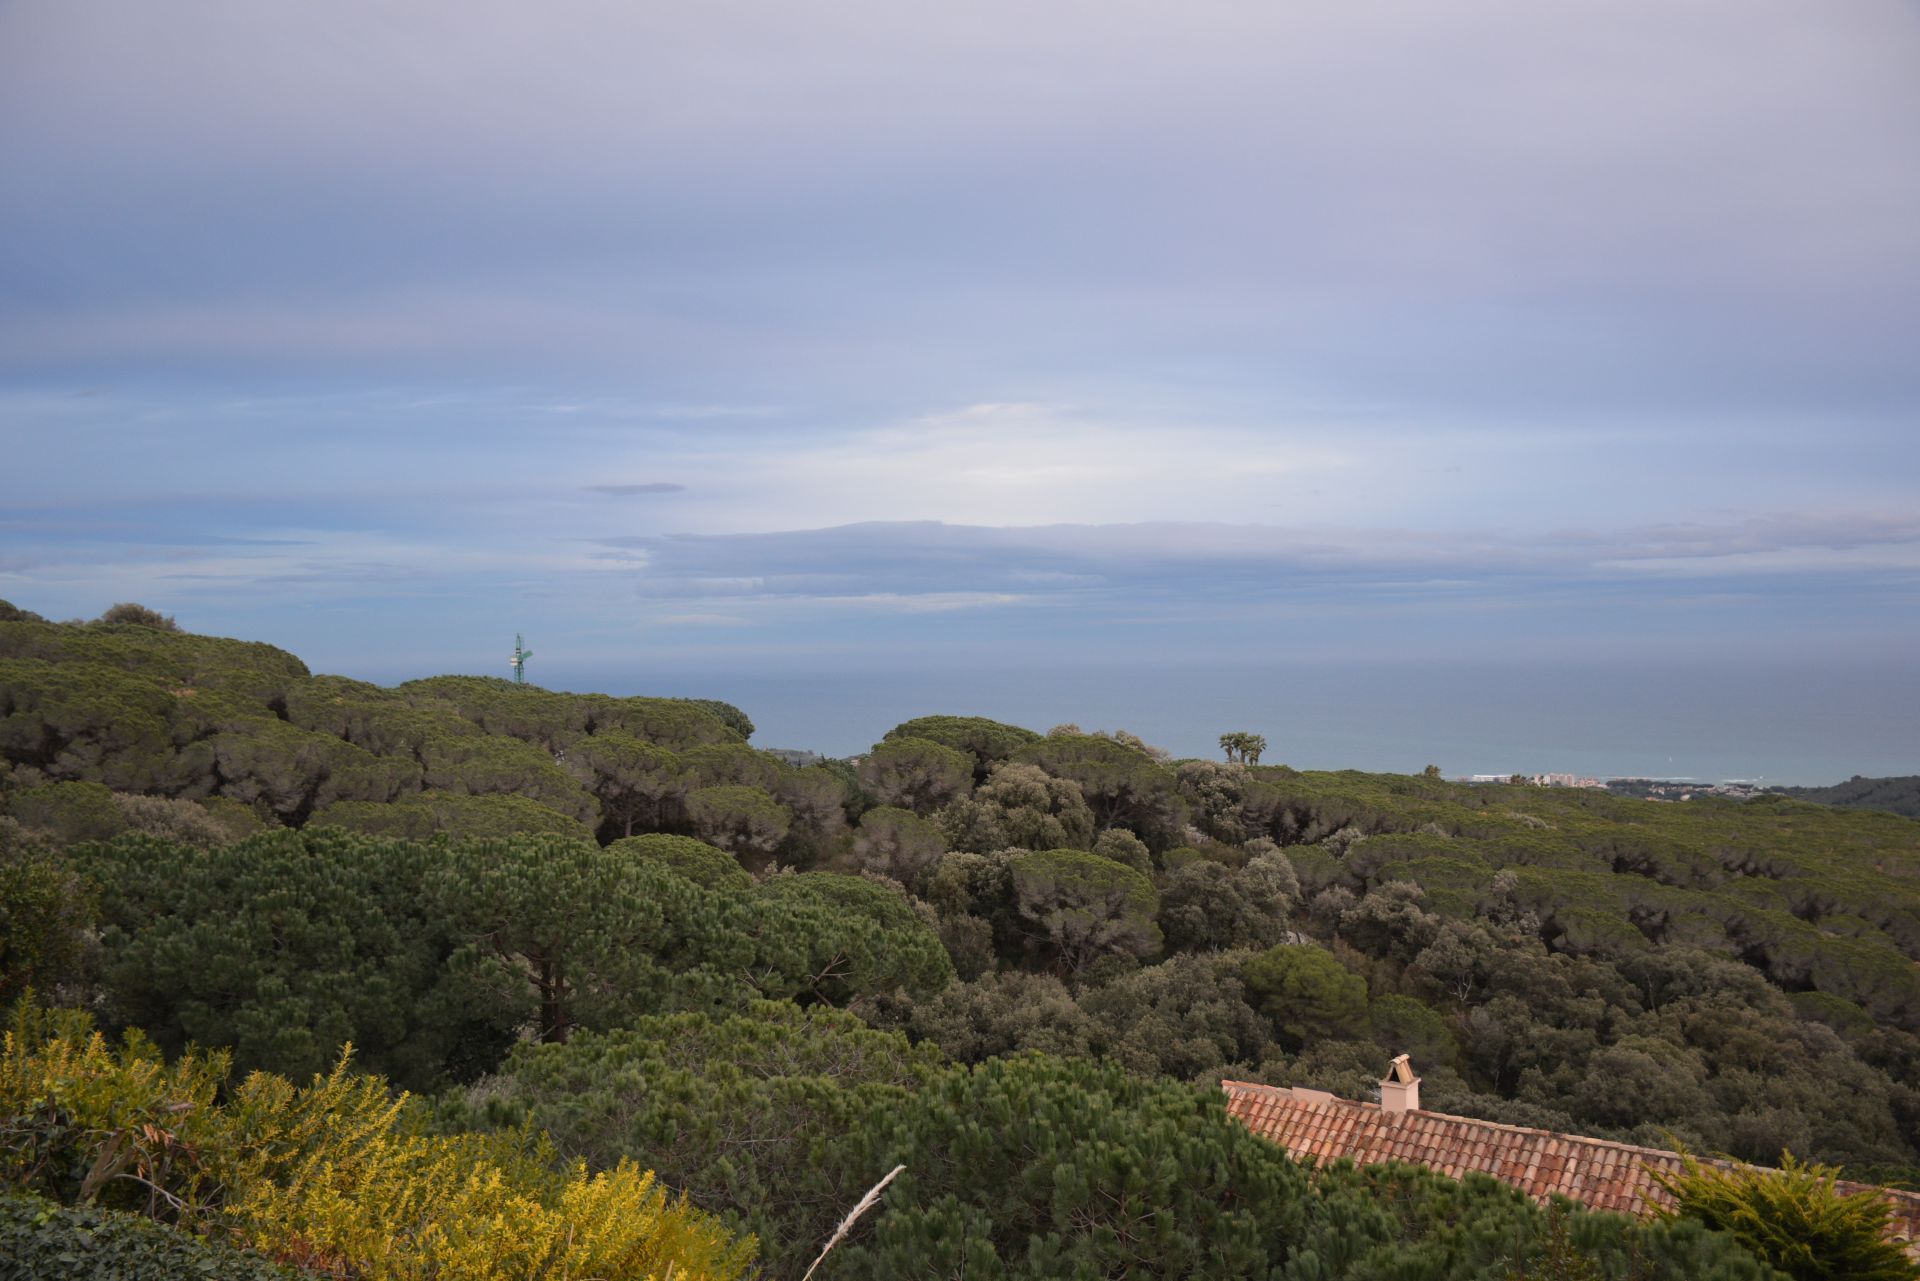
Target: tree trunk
(553,1009)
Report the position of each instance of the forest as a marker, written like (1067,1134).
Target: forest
(665,1001)
(1899,795)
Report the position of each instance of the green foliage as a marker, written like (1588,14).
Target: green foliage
(987,742)
(1742,975)
(837,938)
(818,797)
(381,721)
(1215,795)
(255,674)
(1205,906)
(1306,993)
(67,813)
(741,1112)
(187,822)
(635,782)
(916,773)
(129,614)
(697,861)
(546,719)
(429,814)
(553,720)
(1123,785)
(1188,1018)
(285,946)
(746,821)
(1071,907)
(1005,1013)
(1899,795)
(1018,807)
(1402,1025)
(1036,1168)
(1123,846)
(897,843)
(481,766)
(429,956)
(234,819)
(294,772)
(1243,748)
(1843,1017)
(1794,1219)
(717,764)
(42,1240)
(726,713)
(1400,1223)
(675,724)
(1021,1168)
(46,912)
(559,934)
(1641,1080)
(86,722)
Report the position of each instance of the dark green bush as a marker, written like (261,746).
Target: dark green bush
(42,1240)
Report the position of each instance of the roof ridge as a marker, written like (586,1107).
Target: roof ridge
(1326,1103)
(1333,1099)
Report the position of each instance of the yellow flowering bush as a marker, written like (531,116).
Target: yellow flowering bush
(84,1121)
(413,1209)
(328,1177)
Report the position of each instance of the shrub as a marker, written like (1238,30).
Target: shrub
(327,1176)
(42,1240)
(68,812)
(131,614)
(46,912)
(1793,1218)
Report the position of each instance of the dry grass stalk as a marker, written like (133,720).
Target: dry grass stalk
(867,1202)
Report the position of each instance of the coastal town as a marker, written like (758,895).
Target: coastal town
(1651,789)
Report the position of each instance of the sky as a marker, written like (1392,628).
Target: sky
(738,339)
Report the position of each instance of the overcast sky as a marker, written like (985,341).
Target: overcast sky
(854,333)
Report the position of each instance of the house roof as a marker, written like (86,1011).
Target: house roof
(1595,1172)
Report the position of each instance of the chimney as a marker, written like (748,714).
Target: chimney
(1400,1088)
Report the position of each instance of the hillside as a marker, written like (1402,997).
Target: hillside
(1897,795)
(614,921)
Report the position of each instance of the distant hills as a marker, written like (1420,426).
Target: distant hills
(1897,795)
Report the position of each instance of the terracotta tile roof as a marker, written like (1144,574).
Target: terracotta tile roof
(1594,1172)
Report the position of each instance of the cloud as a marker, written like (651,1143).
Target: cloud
(919,602)
(903,562)
(1480,306)
(700,620)
(650,487)
(1839,532)
(1014,464)
(1483,205)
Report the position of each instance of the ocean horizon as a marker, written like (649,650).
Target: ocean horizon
(1791,724)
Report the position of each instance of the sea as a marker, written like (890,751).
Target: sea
(1777,722)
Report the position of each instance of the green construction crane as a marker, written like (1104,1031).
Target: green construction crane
(520,656)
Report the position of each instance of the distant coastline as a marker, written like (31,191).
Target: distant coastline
(1772,726)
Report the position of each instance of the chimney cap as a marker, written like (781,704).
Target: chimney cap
(1401,1071)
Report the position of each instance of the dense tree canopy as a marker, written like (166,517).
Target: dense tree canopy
(1019,806)
(1025,1167)
(917,774)
(513,894)
(987,742)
